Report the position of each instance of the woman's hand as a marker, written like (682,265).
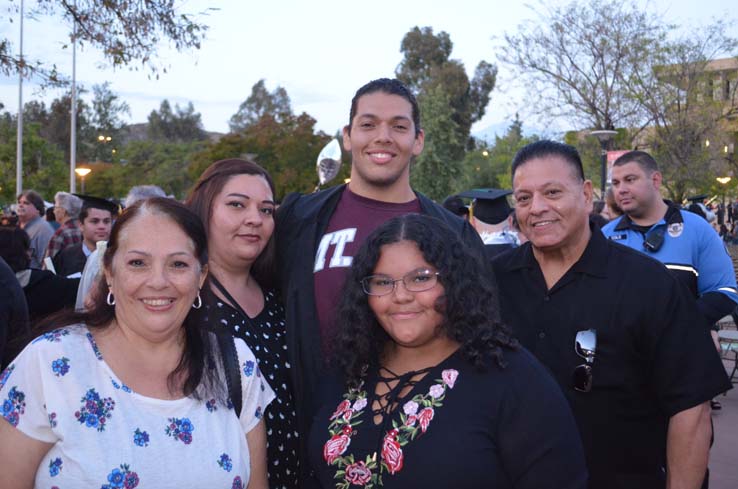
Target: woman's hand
(256,441)
(20,456)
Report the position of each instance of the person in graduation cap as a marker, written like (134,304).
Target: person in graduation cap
(95,222)
(491,215)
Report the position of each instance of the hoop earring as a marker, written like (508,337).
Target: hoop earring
(110,299)
(198,302)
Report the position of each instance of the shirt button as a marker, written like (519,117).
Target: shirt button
(541,335)
(546,298)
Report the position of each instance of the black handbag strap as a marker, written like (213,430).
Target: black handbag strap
(230,358)
(232,373)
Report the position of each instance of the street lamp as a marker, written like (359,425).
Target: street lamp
(605,136)
(82,172)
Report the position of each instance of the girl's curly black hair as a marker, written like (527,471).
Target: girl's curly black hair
(469,305)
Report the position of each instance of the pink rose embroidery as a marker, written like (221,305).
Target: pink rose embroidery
(449,377)
(411,420)
(335,447)
(410,408)
(345,404)
(436,391)
(392,453)
(424,417)
(359,404)
(358,474)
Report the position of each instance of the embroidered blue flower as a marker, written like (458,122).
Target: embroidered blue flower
(121,478)
(180,429)
(95,412)
(55,467)
(14,406)
(121,387)
(140,438)
(52,336)
(52,420)
(229,404)
(248,368)
(237,483)
(6,375)
(258,414)
(211,405)
(60,366)
(95,349)
(225,462)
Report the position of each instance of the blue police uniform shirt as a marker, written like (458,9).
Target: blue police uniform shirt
(691,250)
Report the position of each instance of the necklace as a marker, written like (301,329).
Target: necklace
(415,420)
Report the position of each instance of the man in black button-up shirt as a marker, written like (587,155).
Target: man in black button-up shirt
(640,399)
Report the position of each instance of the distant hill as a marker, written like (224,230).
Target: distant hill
(139,132)
(500,128)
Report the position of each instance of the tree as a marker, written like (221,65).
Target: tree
(437,167)
(106,121)
(688,106)
(488,167)
(577,59)
(286,148)
(178,125)
(123,31)
(427,68)
(260,103)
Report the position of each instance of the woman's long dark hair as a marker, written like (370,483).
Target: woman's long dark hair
(468,306)
(196,361)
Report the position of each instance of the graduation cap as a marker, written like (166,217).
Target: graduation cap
(697,199)
(454,204)
(88,201)
(490,204)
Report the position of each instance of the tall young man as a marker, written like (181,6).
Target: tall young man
(318,234)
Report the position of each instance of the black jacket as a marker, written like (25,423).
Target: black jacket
(14,330)
(301,222)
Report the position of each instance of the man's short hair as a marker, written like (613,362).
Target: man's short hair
(140,192)
(70,203)
(544,148)
(390,86)
(643,159)
(35,199)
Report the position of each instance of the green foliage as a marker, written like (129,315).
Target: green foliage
(437,167)
(146,162)
(489,167)
(178,125)
(106,121)
(44,167)
(427,68)
(260,103)
(286,148)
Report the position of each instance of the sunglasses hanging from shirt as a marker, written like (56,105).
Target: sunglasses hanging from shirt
(585,345)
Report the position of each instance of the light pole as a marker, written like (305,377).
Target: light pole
(605,136)
(82,172)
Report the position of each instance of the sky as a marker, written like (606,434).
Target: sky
(320,52)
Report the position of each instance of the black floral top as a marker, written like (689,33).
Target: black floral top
(265,336)
(458,427)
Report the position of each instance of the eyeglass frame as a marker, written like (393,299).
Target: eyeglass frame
(395,280)
(588,354)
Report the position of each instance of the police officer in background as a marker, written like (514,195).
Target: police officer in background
(616,330)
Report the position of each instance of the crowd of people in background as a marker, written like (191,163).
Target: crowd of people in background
(365,335)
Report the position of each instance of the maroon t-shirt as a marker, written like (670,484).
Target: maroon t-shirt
(353,220)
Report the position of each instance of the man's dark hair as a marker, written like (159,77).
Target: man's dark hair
(92,205)
(35,199)
(644,160)
(466,319)
(544,148)
(390,86)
